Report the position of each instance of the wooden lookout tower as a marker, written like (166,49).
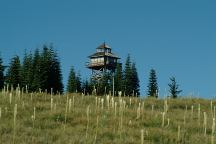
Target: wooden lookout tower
(103,60)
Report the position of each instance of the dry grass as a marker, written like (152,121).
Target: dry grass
(60,125)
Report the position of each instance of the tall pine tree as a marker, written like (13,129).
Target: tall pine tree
(1,74)
(41,71)
(174,88)
(55,75)
(152,85)
(78,82)
(36,71)
(13,77)
(85,86)
(118,78)
(128,87)
(45,66)
(104,85)
(135,80)
(27,71)
(71,85)
(50,71)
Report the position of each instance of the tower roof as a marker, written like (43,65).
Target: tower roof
(102,54)
(104,45)
(103,50)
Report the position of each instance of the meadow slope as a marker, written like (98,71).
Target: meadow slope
(40,118)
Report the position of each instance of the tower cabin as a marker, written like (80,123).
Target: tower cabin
(103,59)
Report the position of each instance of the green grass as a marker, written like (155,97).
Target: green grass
(60,125)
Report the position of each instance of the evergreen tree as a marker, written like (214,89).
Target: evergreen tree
(13,77)
(1,74)
(104,85)
(41,71)
(87,87)
(50,71)
(152,86)
(91,86)
(84,86)
(173,88)
(135,80)
(45,67)
(78,83)
(128,87)
(118,78)
(71,85)
(27,71)
(55,75)
(36,79)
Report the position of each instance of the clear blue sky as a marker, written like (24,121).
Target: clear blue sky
(175,37)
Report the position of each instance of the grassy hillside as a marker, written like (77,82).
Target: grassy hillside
(44,119)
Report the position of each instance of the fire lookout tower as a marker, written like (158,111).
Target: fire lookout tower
(102,61)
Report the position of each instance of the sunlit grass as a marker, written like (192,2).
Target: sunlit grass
(88,122)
